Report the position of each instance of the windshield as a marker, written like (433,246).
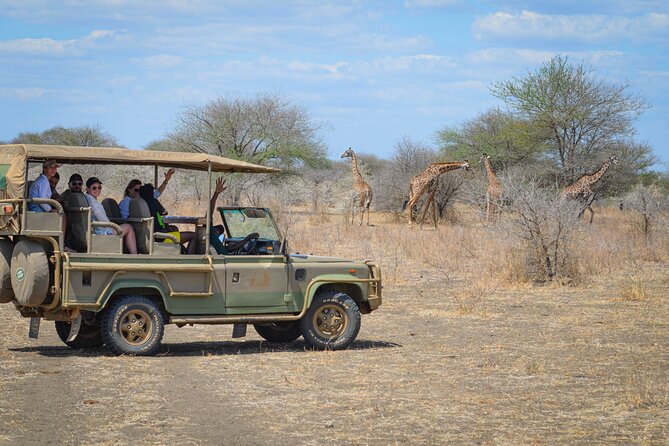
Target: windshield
(241,222)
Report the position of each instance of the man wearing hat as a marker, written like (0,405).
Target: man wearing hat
(74,186)
(41,187)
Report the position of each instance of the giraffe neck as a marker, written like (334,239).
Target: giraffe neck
(440,168)
(593,178)
(492,177)
(357,176)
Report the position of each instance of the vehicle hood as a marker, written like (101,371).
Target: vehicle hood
(303,258)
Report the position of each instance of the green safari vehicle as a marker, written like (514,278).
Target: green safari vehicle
(241,273)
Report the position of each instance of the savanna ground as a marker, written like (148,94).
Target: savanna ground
(462,351)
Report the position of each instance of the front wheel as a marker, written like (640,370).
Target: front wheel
(133,325)
(279,331)
(332,321)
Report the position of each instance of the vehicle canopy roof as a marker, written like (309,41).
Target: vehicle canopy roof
(13,159)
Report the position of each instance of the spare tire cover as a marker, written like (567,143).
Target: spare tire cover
(30,273)
(6,291)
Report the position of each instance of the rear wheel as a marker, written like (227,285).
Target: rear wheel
(88,336)
(279,331)
(332,321)
(133,325)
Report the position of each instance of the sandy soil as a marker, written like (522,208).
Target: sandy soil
(528,366)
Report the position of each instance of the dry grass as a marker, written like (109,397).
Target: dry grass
(464,350)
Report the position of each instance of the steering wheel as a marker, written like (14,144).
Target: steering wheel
(245,246)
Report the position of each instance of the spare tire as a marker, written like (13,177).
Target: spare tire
(6,291)
(30,273)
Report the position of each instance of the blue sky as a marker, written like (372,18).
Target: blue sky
(371,71)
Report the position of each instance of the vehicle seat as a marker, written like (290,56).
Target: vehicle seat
(111,209)
(77,222)
(142,223)
(138,213)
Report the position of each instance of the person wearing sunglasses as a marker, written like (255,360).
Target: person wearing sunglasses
(74,186)
(132,191)
(93,191)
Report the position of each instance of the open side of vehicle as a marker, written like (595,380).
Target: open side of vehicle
(242,272)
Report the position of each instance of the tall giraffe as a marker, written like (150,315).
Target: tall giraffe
(426,181)
(493,195)
(363,193)
(581,189)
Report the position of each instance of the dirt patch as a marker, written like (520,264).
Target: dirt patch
(530,366)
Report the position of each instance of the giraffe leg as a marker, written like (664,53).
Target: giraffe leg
(430,201)
(410,210)
(434,214)
(592,213)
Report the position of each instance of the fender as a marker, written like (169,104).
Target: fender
(121,284)
(327,279)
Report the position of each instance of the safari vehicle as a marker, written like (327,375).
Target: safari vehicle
(101,296)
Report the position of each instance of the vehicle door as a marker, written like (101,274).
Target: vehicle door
(255,281)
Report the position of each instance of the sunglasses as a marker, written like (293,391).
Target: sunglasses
(77,183)
(96,187)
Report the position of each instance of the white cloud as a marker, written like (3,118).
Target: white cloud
(581,28)
(52,47)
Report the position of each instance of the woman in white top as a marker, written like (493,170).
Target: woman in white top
(93,190)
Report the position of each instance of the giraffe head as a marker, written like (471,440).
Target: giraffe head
(483,157)
(347,154)
(465,164)
(614,159)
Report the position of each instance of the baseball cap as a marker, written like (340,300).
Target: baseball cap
(91,181)
(49,163)
(75,177)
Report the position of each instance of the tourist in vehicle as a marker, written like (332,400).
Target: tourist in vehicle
(53,183)
(132,191)
(219,230)
(158,212)
(74,186)
(93,190)
(41,187)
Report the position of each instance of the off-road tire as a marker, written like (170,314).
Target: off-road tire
(89,336)
(30,273)
(332,321)
(6,250)
(279,331)
(133,325)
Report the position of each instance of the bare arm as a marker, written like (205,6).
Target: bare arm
(168,176)
(220,187)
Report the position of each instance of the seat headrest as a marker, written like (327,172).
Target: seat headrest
(139,208)
(111,208)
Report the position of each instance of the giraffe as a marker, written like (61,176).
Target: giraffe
(581,189)
(363,192)
(493,195)
(426,182)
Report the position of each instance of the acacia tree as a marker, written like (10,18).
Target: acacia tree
(266,129)
(577,116)
(508,139)
(85,136)
(263,130)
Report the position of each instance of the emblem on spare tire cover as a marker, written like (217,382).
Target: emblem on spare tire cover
(20,274)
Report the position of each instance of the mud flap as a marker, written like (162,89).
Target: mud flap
(74,329)
(33,331)
(239,330)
